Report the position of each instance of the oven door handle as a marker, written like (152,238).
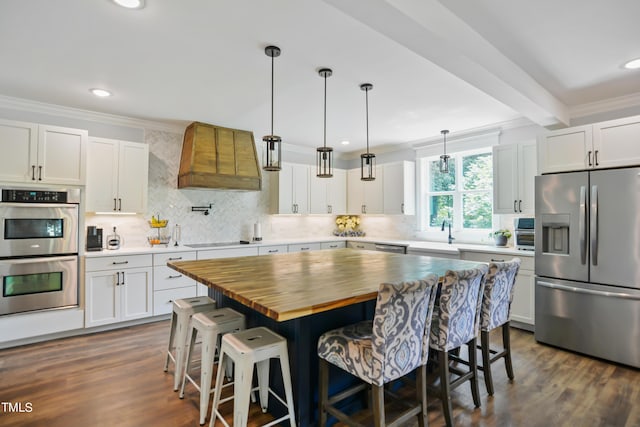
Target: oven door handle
(39,260)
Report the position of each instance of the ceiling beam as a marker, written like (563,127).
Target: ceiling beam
(433,32)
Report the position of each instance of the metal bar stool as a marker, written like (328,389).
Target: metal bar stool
(183,309)
(211,325)
(249,348)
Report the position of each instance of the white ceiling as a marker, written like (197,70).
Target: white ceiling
(453,64)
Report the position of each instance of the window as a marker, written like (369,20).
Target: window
(464,196)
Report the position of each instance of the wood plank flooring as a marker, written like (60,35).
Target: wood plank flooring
(116,378)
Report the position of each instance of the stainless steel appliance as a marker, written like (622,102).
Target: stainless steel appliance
(588,263)
(396,249)
(524,233)
(94,238)
(38,249)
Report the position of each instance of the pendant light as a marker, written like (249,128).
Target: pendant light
(324,153)
(444,158)
(273,150)
(367,160)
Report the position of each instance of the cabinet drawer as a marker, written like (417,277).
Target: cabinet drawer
(167,278)
(162,259)
(227,253)
(361,245)
(526,264)
(274,249)
(333,245)
(118,262)
(163,300)
(302,247)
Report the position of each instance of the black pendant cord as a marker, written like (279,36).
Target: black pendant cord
(272,94)
(445,143)
(366,94)
(325,110)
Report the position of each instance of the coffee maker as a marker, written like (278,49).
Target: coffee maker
(94,238)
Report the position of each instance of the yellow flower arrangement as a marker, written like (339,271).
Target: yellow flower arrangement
(348,226)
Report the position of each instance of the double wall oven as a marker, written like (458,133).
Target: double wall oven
(38,249)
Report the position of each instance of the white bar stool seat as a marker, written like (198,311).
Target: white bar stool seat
(183,309)
(212,326)
(249,348)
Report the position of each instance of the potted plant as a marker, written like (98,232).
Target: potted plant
(500,236)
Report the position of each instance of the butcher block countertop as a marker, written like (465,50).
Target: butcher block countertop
(292,285)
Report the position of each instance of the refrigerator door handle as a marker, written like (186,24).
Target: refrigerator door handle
(582,225)
(594,224)
(587,291)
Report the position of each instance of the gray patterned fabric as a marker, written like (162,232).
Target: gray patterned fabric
(498,293)
(395,343)
(457,313)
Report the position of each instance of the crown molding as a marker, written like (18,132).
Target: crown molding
(606,105)
(76,113)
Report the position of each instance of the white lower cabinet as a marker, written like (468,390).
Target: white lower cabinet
(523,304)
(361,245)
(333,245)
(117,289)
(272,250)
(168,284)
(303,247)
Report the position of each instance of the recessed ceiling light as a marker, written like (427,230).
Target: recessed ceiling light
(633,64)
(102,93)
(130,4)
(345,142)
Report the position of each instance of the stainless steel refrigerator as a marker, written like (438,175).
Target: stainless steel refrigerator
(588,263)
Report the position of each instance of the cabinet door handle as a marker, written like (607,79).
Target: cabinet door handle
(402,208)
(115,204)
(175,259)
(117,278)
(515,203)
(175,277)
(333,246)
(589,156)
(120,262)
(119,204)
(520,206)
(304,249)
(496,260)
(595,156)
(359,246)
(329,209)
(122,279)
(40,173)
(33,172)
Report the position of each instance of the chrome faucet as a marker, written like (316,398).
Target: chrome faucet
(451,238)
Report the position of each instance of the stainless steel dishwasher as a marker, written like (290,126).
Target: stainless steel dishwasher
(396,249)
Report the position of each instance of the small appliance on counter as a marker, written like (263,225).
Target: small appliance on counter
(257,232)
(524,233)
(94,238)
(114,240)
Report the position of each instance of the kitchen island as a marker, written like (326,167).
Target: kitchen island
(302,295)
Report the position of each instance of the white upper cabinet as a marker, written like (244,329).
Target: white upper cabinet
(365,197)
(514,171)
(42,153)
(399,188)
(118,176)
(607,144)
(328,195)
(290,189)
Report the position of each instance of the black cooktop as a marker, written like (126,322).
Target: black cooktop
(217,244)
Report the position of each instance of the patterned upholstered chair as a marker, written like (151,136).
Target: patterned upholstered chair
(394,344)
(456,322)
(496,307)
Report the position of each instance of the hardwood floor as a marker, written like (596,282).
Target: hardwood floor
(115,378)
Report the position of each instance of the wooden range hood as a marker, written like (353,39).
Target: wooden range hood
(219,158)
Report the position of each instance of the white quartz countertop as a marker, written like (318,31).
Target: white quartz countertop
(413,245)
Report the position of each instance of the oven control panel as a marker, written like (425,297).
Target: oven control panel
(10,195)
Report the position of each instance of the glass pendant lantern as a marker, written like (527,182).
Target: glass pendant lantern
(272,160)
(324,154)
(367,160)
(444,158)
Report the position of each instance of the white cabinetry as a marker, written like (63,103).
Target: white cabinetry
(303,247)
(333,245)
(272,250)
(328,195)
(399,188)
(365,197)
(118,288)
(361,245)
(514,171)
(223,253)
(42,153)
(118,176)
(290,189)
(607,144)
(168,284)
(523,304)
